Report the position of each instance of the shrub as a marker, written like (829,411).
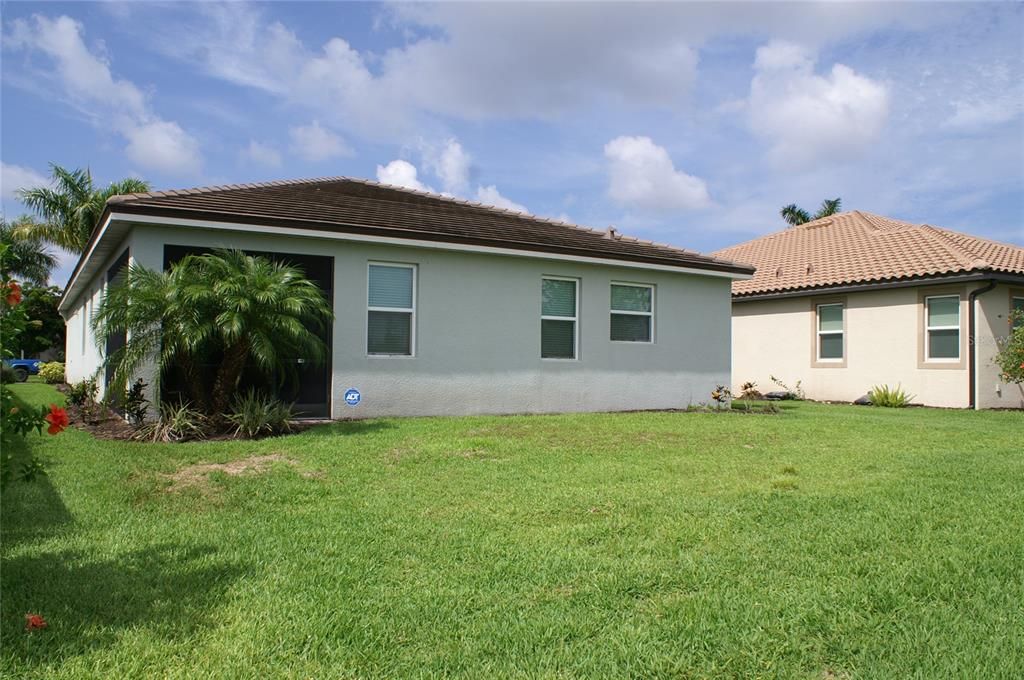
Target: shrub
(7,375)
(796,393)
(135,403)
(1010,358)
(83,394)
(254,414)
(889,397)
(52,372)
(749,391)
(176,423)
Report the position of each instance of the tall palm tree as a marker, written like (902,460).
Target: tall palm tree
(229,305)
(796,216)
(27,259)
(68,212)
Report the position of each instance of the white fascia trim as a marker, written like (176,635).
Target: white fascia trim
(61,306)
(414,243)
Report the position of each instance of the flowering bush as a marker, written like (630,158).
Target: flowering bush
(17,420)
(52,372)
(1010,357)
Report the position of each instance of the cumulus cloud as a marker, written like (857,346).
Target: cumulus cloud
(316,143)
(401,173)
(451,165)
(490,195)
(807,117)
(14,177)
(261,154)
(643,176)
(87,82)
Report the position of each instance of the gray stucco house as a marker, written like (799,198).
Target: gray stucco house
(442,306)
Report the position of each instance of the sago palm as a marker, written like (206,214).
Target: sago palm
(27,259)
(68,211)
(796,216)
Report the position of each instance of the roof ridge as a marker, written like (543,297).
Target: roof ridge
(970,260)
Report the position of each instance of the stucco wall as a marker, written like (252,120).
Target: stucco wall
(993,315)
(883,346)
(478,331)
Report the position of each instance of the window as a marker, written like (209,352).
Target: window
(830,332)
(632,313)
(391,308)
(942,328)
(558,318)
(1017,305)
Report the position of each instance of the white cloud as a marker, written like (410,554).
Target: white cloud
(451,165)
(314,142)
(401,173)
(261,154)
(110,103)
(806,117)
(490,195)
(14,177)
(643,176)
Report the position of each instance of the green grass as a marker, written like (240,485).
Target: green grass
(823,540)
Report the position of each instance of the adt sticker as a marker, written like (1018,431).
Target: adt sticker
(352,397)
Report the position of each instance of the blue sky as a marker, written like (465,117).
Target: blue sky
(687,123)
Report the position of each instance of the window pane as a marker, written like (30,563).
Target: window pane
(559,298)
(944,311)
(631,328)
(631,298)
(830,318)
(944,344)
(390,287)
(389,333)
(1018,306)
(830,346)
(557,339)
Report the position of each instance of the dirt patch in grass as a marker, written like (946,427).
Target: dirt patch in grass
(197,476)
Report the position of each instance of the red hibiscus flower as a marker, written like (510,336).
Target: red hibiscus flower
(57,418)
(13,293)
(35,622)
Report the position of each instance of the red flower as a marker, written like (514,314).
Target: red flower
(35,622)
(13,293)
(57,418)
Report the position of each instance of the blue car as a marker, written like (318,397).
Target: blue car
(23,368)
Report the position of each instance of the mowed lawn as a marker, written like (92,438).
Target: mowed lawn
(826,541)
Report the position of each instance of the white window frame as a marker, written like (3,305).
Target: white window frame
(410,310)
(819,332)
(928,329)
(649,286)
(575,319)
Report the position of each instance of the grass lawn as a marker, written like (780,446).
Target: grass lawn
(824,541)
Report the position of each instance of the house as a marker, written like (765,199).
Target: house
(442,306)
(855,300)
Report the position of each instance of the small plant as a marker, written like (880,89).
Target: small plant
(1010,357)
(7,375)
(796,393)
(889,397)
(176,423)
(83,393)
(135,403)
(52,372)
(721,396)
(749,391)
(254,414)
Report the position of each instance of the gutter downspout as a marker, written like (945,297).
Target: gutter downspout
(972,350)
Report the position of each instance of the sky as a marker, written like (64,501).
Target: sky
(690,124)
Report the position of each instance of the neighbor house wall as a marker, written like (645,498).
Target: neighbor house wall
(884,345)
(477,347)
(993,325)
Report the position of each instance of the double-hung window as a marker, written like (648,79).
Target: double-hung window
(391,309)
(942,328)
(830,332)
(632,313)
(558,316)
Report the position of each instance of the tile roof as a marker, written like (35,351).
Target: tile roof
(858,247)
(357,206)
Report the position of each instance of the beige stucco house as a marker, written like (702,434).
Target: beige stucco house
(856,300)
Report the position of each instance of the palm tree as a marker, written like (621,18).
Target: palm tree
(27,259)
(71,209)
(238,308)
(796,216)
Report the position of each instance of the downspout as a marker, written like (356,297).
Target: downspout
(972,350)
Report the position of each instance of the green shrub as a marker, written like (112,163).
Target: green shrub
(176,423)
(254,414)
(889,397)
(83,393)
(52,372)
(135,403)
(7,375)
(1010,358)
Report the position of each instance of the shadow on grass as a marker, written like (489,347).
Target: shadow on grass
(349,428)
(170,590)
(30,509)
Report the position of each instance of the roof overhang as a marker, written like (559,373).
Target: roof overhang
(115,225)
(962,277)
